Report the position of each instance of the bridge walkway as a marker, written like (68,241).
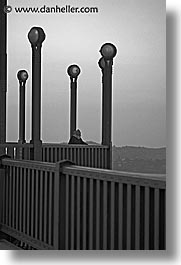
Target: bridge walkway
(5,245)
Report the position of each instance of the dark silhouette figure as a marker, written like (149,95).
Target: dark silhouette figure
(76,138)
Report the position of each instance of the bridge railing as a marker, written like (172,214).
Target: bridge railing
(28,202)
(82,155)
(16,150)
(97,156)
(102,209)
(62,206)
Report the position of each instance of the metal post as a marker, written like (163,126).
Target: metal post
(108,52)
(36,36)
(73,71)
(3,70)
(73,105)
(22,77)
(102,66)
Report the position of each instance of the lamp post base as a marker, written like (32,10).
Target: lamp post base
(36,153)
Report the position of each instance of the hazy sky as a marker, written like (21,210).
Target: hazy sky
(136,27)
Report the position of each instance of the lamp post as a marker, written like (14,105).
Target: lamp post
(22,77)
(101,64)
(36,37)
(73,71)
(108,52)
(3,70)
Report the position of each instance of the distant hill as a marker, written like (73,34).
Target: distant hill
(92,143)
(139,159)
(133,152)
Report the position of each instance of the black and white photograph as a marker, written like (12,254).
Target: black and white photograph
(83,125)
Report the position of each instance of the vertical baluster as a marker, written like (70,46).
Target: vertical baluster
(10,195)
(69,155)
(72,209)
(51,154)
(47,154)
(120,216)
(29,153)
(3,190)
(24,152)
(58,207)
(67,152)
(95,158)
(55,154)
(89,156)
(14,196)
(75,156)
(50,214)
(43,153)
(41,207)
(91,215)
(82,156)
(17,197)
(156,219)
(10,151)
(112,214)
(37,189)
(28,201)
(97,214)
(67,213)
(32,202)
(45,228)
(60,154)
(99,158)
(7,195)
(102,158)
(105,215)
(63,151)
(78,158)
(128,217)
(137,218)
(86,157)
(84,213)
(24,199)
(147,205)
(18,152)
(20,198)
(78,213)
(105,158)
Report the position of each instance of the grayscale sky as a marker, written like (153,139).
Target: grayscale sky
(136,27)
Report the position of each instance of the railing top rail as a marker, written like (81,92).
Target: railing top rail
(12,144)
(141,179)
(45,166)
(74,145)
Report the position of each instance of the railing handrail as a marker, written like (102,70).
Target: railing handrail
(74,145)
(7,144)
(29,164)
(141,179)
(15,144)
